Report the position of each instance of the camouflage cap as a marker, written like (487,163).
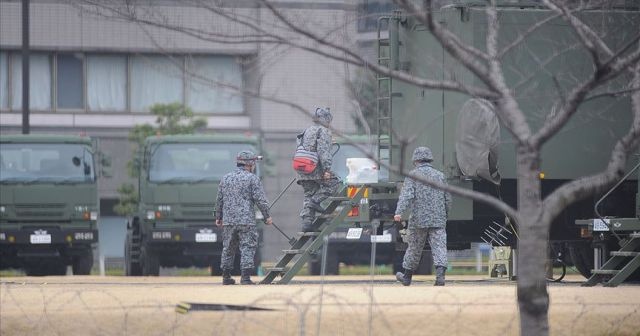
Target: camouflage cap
(247,157)
(323,115)
(422,154)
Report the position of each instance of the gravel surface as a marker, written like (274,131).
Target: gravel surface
(341,305)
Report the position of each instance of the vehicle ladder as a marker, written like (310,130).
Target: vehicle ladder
(308,243)
(383,94)
(620,266)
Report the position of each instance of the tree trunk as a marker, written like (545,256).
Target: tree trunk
(533,298)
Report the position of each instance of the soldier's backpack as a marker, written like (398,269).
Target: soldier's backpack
(305,161)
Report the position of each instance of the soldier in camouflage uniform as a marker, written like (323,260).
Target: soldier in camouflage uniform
(429,208)
(239,191)
(322,182)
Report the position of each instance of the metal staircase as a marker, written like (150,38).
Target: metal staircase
(308,243)
(620,266)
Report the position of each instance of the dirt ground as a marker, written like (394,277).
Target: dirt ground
(342,305)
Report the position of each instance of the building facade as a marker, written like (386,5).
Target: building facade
(96,70)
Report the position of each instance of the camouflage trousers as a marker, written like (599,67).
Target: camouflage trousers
(316,191)
(243,236)
(416,239)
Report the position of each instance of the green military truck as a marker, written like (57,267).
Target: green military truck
(537,70)
(177,186)
(48,203)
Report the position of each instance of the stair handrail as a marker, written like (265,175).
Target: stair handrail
(595,207)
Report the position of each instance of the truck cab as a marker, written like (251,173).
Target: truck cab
(179,177)
(48,203)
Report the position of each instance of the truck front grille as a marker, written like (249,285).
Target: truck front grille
(42,210)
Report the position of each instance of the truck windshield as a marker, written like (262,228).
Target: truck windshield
(32,163)
(193,162)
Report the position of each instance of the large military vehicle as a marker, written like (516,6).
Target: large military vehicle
(548,60)
(470,146)
(48,203)
(177,186)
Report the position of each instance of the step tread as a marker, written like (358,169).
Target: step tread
(295,251)
(309,234)
(601,271)
(274,269)
(624,253)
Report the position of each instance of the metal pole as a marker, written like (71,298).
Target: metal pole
(25,66)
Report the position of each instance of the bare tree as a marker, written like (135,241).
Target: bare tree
(534,213)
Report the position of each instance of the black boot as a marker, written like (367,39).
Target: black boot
(307,225)
(440,270)
(226,277)
(405,278)
(245,278)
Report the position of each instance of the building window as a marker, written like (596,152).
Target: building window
(69,81)
(214,84)
(107,83)
(155,80)
(4,80)
(39,82)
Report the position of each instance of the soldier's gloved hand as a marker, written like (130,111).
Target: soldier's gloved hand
(268,221)
(219,222)
(397,218)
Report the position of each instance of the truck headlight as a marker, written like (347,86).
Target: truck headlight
(151,215)
(2,209)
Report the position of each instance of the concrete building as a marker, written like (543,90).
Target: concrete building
(95,71)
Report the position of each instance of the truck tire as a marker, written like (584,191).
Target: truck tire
(82,264)
(131,268)
(425,267)
(332,267)
(150,263)
(216,269)
(45,266)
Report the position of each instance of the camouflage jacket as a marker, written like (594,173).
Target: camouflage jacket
(429,206)
(323,148)
(239,191)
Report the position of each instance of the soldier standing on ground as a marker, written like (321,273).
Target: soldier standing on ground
(429,208)
(322,182)
(239,191)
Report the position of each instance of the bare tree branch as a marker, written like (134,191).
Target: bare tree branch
(592,42)
(448,40)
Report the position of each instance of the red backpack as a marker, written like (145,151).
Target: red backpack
(305,161)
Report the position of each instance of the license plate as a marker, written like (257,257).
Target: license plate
(206,237)
(40,239)
(354,233)
(598,225)
(385,238)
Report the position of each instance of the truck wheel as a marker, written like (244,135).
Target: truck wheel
(131,268)
(35,269)
(216,269)
(150,263)
(426,263)
(332,267)
(57,267)
(582,257)
(83,263)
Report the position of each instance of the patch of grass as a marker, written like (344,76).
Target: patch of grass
(11,273)
(365,270)
(192,271)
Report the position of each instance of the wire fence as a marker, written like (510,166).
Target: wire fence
(357,306)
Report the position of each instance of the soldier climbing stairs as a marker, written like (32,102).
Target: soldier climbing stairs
(308,243)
